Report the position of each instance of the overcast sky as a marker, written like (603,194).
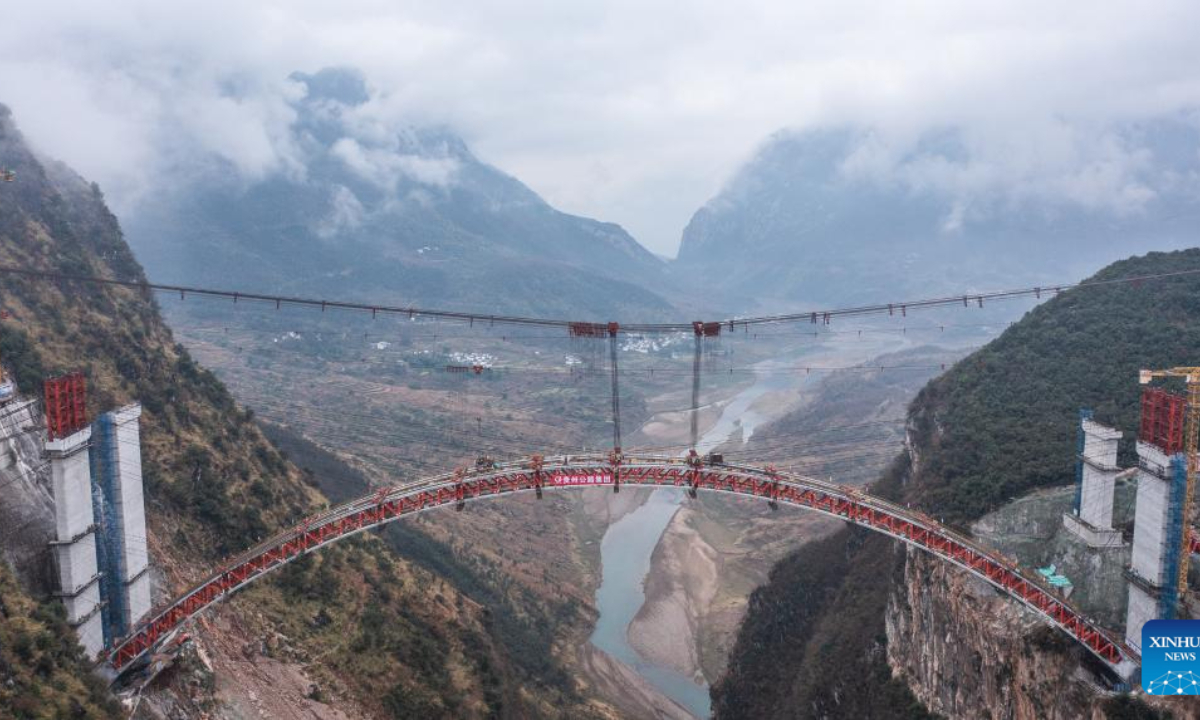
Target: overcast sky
(633,112)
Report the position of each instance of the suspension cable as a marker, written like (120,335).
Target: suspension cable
(818,316)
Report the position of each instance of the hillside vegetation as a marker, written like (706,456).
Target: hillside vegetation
(998,424)
(42,670)
(1003,421)
(376,631)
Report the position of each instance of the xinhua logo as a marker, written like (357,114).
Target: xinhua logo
(1171,657)
(1174,683)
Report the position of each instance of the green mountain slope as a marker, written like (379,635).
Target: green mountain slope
(999,423)
(1003,421)
(377,632)
(42,670)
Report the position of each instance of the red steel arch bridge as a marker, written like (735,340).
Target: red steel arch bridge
(538,474)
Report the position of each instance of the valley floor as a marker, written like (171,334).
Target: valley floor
(713,554)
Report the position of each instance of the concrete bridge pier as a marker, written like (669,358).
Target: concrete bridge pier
(120,510)
(1157,526)
(75,532)
(1097,472)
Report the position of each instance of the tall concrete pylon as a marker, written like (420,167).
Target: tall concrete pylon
(120,509)
(1092,519)
(1156,525)
(75,529)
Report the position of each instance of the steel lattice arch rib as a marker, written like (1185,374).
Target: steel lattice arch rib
(578,471)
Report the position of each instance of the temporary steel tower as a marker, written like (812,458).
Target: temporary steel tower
(1191,436)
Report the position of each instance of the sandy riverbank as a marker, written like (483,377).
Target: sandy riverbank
(679,590)
(620,685)
(713,554)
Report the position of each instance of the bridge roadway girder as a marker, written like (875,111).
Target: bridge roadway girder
(576,471)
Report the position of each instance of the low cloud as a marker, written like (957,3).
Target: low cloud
(385,166)
(635,112)
(346,214)
(1103,169)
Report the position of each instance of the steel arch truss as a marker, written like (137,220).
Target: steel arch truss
(564,472)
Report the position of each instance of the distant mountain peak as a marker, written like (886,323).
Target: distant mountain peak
(345,85)
(844,214)
(389,209)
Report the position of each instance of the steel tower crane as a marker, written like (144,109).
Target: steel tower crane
(1191,436)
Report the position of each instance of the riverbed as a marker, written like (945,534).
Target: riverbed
(629,543)
(625,553)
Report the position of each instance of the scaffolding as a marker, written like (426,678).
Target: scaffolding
(1169,595)
(110,545)
(66,405)
(1162,419)
(1174,430)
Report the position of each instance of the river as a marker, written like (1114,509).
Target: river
(628,544)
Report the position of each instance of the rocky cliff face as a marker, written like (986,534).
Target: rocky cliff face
(27,505)
(1030,530)
(966,651)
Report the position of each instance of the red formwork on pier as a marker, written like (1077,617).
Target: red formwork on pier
(563,472)
(66,404)
(1162,420)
